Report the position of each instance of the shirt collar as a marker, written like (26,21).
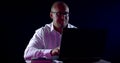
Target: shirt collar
(52,27)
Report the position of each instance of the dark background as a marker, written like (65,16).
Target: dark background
(20,19)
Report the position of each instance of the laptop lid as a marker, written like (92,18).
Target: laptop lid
(82,44)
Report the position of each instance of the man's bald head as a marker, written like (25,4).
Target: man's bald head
(59,5)
(60,14)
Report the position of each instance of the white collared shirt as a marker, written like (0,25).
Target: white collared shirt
(43,41)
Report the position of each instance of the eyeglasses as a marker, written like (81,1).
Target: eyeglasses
(61,13)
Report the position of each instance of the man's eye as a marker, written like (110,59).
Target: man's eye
(65,13)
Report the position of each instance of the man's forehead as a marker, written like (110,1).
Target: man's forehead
(61,9)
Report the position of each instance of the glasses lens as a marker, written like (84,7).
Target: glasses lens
(61,13)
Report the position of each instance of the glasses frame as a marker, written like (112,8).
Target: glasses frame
(61,13)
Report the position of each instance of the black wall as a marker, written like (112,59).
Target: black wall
(19,20)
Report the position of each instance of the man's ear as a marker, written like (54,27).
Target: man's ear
(51,15)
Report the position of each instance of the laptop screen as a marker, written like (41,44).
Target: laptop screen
(82,43)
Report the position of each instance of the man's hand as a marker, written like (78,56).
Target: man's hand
(55,51)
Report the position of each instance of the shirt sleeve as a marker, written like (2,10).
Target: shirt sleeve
(36,47)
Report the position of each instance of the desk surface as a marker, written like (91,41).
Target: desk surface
(67,61)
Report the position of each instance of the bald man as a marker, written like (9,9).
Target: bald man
(46,40)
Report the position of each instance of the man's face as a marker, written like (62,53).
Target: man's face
(60,16)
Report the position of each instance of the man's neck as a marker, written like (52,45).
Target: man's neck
(58,29)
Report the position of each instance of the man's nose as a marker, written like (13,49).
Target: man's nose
(63,16)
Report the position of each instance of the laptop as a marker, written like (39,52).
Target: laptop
(82,44)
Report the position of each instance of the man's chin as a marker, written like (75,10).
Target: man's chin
(64,26)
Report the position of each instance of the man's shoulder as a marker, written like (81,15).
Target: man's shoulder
(46,27)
